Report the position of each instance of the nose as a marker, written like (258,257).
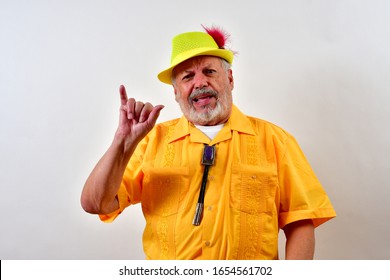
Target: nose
(200,81)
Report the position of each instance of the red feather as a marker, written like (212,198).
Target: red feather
(219,35)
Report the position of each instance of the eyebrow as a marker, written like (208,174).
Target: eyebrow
(191,68)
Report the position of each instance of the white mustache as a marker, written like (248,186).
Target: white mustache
(201,91)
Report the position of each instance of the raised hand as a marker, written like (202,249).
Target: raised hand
(100,189)
(136,118)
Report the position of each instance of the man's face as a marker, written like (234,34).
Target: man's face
(203,88)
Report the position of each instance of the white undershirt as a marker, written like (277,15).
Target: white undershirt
(210,131)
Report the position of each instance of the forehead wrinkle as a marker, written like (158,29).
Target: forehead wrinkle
(195,65)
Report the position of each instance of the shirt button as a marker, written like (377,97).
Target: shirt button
(210,208)
(207,243)
(254,176)
(211,178)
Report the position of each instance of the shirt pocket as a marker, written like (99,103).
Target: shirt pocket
(165,190)
(253,189)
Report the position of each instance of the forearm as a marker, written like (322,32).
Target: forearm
(99,192)
(300,240)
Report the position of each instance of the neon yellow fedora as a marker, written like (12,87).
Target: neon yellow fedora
(191,44)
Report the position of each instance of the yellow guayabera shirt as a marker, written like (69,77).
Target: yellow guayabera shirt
(260,182)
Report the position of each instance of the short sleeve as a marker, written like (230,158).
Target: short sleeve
(301,194)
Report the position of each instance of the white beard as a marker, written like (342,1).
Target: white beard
(211,115)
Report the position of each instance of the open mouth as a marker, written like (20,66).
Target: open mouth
(202,97)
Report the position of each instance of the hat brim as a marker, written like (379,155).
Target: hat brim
(166,75)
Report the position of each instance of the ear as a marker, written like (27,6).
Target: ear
(175,92)
(231,79)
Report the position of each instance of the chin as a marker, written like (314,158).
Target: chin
(207,118)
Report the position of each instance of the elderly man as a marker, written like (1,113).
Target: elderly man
(215,183)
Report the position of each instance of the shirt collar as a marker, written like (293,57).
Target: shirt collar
(237,121)
(240,122)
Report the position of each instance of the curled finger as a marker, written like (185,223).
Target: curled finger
(145,112)
(130,108)
(138,107)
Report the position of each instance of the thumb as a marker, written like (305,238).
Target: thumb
(154,114)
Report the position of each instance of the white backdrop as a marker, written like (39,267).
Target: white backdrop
(319,69)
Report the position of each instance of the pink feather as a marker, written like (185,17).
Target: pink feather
(219,35)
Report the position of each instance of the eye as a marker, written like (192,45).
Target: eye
(187,77)
(210,71)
